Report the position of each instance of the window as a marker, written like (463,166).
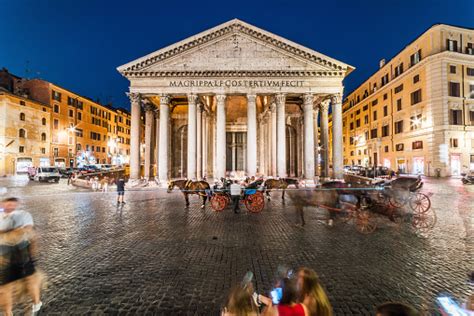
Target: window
(21,149)
(454,89)
(399,88)
(385,110)
(44,109)
(373,133)
(415,122)
(386,149)
(56,108)
(399,147)
(56,96)
(365,151)
(384,80)
(56,152)
(399,104)
(358,123)
(374,114)
(416,78)
(71,113)
(455,117)
(78,147)
(416,97)
(470,49)
(22,116)
(43,150)
(385,131)
(351,140)
(452,69)
(366,135)
(452,45)
(103,149)
(56,124)
(352,153)
(22,103)
(471,117)
(385,96)
(470,71)
(366,119)
(365,108)
(22,133)
(79,132)
(79,116)
(43,137)
(70,101)
(415,58)
(453,142)
(351,125)
(471,91)
(399,70)
(375,102)
(43,121)
(398,127)
(79,105)
(417,145)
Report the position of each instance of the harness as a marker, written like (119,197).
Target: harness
(188,184)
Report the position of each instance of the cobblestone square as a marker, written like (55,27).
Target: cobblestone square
(154,257)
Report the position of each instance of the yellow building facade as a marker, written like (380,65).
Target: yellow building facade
(24,134)
(416,113)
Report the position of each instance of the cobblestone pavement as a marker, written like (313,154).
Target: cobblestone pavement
(154,257)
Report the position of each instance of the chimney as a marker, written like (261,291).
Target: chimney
(382,63)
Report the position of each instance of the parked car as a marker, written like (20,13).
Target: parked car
(44,174)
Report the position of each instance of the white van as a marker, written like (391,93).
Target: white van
(41,174)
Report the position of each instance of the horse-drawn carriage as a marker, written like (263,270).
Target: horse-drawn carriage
(359,199)
(252,196)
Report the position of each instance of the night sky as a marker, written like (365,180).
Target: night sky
(79,44)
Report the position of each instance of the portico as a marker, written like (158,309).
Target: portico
(235,100)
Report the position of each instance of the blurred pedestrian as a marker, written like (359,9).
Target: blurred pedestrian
(312,294)
(120,190)
(104,184)
(242,299)
(288,305)
(396,309)
(235,192)
(17,251)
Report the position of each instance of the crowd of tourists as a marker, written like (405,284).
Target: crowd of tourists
(297,293)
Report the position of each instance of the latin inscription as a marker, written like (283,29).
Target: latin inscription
(237,83)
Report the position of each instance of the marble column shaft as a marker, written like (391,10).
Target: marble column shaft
(164,139)
(157,139)
(308,137)
(192,98)
(281,135)
(273,129)
(149,118)
(324,139)
(251,135)
(135,99)
(337,159)
(220,137)
(316,140)
(199,142)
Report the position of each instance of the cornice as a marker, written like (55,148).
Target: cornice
(227,74)
(234,26)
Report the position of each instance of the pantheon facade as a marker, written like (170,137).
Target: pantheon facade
(235,100)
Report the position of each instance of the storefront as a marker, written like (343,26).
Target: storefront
(401,165)
(455,164)
(23,163)
(60,162)
(418,165)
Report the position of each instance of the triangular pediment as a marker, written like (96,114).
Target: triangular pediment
(235,46)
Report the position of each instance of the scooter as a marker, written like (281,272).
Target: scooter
(467,178)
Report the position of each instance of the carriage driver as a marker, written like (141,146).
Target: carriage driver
(235,192)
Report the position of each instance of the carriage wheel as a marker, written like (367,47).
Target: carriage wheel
(423,221)
(420,203)
(397,202)
(255,202)
(346,214)
(365,222)
(218,202)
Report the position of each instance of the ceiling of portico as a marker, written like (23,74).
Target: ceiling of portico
(234,47)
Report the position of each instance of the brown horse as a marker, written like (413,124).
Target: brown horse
(191,187)
(280,184)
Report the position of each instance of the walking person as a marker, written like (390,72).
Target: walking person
(120,190)
(17,251)
(235,192)
(312,294)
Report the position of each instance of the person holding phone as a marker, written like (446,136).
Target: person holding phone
(288,304)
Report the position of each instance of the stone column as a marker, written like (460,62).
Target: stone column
(199,141)
(261,145)
(164,139)
(149,118)
(324,139)
(157,140)
(308,137)
(281,135)
(205,142)
(316,140)
(337,159)
(135,100)
(220,137)
(274,138)
(192,98)
(251,135)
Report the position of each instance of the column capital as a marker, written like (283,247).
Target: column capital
(280,98)
(221,98)
(308,99)
(251,97)
(336,98)
(164,99)
(324,106)
(149,107)
(192,98)
(134,97)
